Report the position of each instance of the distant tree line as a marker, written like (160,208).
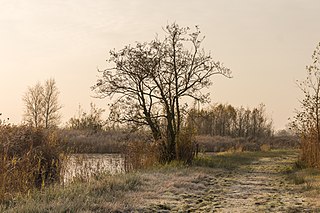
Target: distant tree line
(226,120)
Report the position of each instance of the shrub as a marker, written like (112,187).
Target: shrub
(186,147)
(139,154)
(30,158)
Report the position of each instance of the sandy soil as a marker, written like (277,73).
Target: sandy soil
(260,186)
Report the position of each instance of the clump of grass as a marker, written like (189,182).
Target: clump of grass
(296,178)
(307,177)
(29,158)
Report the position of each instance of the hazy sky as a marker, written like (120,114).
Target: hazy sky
(266,43)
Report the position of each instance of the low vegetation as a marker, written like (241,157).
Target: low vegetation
(108,141)
(107,193)
(30,158)
(166,187)
(308,177)
(35,155)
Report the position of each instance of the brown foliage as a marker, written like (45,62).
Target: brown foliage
(306,123)
(29,158)
(186,147)
(141,154)
(310,150)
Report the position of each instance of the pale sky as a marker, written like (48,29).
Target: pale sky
(266,43)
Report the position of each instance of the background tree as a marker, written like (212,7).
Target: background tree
(42,105)
(33,100)
(152,81)
(51,104)
(88,121)
(307,121)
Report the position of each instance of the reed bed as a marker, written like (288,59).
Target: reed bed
(29,159)
(108,141)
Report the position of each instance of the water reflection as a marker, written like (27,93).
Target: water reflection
(85,166)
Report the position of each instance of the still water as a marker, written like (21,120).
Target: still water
(85,166)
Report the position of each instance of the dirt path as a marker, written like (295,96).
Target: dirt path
(257,187)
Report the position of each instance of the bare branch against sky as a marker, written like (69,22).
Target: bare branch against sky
(267,44)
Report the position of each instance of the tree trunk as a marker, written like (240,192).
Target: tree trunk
(171,139)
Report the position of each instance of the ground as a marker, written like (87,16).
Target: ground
(261,185)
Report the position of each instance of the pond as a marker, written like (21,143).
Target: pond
(85,166)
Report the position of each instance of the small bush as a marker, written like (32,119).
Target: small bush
(296,179)
(186,147)
(140,155)
(265,147)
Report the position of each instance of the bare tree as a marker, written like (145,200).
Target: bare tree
(307,120)
(42,105)
(153,80)
(51,104)
(33,100)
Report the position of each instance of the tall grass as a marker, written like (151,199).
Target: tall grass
(29,158)
(310,150)
(139,155)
